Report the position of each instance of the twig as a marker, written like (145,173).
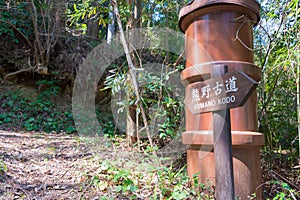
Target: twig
(38,48)
(178,60)
(85,189)
(285,180)
(278,176)
(132,72)
(28,196)
(269,49)
(137,129)
(264,107)
(291,193)
(141,64)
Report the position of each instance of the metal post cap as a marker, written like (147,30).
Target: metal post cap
(201,7)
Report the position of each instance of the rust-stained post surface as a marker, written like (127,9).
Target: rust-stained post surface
(220,32)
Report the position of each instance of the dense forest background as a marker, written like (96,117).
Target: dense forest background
(44,44)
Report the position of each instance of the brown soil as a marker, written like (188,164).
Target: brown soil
(41,166)
(60,166)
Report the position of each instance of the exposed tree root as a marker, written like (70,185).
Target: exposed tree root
(38,69)
(17,72)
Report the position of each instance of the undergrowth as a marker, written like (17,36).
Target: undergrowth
(163,182)
(37,114)
(42,113)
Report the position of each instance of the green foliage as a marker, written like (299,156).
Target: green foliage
(14,17)
(156,91)
(6,28)
(159,183)
(81,13)
(162,103)
(163,13)
(122,179)
(3,167)
(154,13)
(84,10)
(41,114)
(278,55)
(282,191)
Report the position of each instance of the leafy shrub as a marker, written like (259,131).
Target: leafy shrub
(161,102)
(158,183)
(14,18)
(42,113)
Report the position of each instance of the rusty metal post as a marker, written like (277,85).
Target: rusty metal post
(220,32)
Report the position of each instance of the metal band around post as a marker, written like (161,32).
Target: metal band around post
(202,71)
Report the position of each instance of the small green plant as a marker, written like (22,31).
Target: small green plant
(176,184)
(122,180)
(283,191)
(119,179)
(3,167)
(179,193)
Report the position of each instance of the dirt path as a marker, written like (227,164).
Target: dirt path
(42,166)
(38,166)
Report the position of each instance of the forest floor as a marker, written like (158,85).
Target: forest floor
(42,166)
(53,166)
(60,166)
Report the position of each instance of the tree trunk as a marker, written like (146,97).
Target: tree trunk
(131,125)
(59,17)
(111,25)
(93,28)
(298,104)
(133,76)
(135,22)
(138,9)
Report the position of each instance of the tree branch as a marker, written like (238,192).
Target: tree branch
(132,73)
(264,107)
(178,60)
(38,48)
